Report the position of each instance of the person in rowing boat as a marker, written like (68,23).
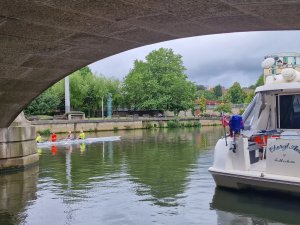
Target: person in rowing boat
(81,135)
(38,138)
(70,136)
(53,137)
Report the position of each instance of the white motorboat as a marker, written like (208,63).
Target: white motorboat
(64,142)
(266,155)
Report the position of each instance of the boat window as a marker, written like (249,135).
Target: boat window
(289,111)
(252,112)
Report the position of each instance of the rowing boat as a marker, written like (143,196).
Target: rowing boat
(63,142)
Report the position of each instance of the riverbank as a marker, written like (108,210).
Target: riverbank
(95,125)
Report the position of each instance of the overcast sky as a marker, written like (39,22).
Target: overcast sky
(212,59)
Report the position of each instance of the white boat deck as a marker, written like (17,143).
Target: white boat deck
(259,166)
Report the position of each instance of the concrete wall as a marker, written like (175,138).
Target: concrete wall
(17,145)
(65,126)
(211,112)
(100,125)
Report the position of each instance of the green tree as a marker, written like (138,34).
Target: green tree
(159,83)
(235,94)
(224,107)
(48,102)
(202,104)
(260,81)
(249,97)
(209,95)
(79,85)
(86,91)
(218,91)
(200,87)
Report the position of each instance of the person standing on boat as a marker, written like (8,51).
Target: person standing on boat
(81,135)
(236,124)
(70,136)
(53,137)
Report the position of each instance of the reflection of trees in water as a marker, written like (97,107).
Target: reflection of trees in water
(160,159)
(205,136)
(255,208)
(86,164)
(163,161)
(16,191)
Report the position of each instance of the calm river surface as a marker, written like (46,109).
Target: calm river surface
(149,177)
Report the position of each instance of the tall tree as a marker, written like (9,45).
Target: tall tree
(202,104)
(218,91)
(87,90)
(224,107)
(249,97)
(208,94)
(200,87)
(48,101)
(260,81)
(159,83)
(235,94)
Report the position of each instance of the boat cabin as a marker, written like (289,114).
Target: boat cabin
(267,152)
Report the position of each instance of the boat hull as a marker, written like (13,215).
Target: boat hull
(238,181)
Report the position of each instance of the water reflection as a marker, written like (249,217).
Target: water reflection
(255,208)
(17,191)
(154,176)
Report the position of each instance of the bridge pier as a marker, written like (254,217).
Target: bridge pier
(18,148)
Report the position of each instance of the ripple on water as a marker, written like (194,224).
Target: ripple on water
(154,176)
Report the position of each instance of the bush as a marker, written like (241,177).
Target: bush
(116,129)
(148,126)
(197,124)
(173,124)
(189,124)
(45,132)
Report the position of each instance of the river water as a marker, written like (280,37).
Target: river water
(149,177)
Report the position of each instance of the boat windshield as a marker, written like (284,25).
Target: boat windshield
(252,112)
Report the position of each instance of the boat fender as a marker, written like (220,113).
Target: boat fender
(233,146)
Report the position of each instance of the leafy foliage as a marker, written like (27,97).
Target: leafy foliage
(159,83)
(235,94)
(48,102)
(224,107)
(260,81)
(202,104)
(249,97)
(86,90)
(209,95)
(218,91)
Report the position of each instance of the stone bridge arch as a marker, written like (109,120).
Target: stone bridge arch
(42,41)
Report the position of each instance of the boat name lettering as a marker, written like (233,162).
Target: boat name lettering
(284,148)
(284,161)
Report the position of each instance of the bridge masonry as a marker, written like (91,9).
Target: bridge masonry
(17,146)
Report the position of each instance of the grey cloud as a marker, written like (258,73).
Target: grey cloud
(212,59)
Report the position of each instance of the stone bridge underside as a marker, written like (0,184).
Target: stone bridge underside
(42,41)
